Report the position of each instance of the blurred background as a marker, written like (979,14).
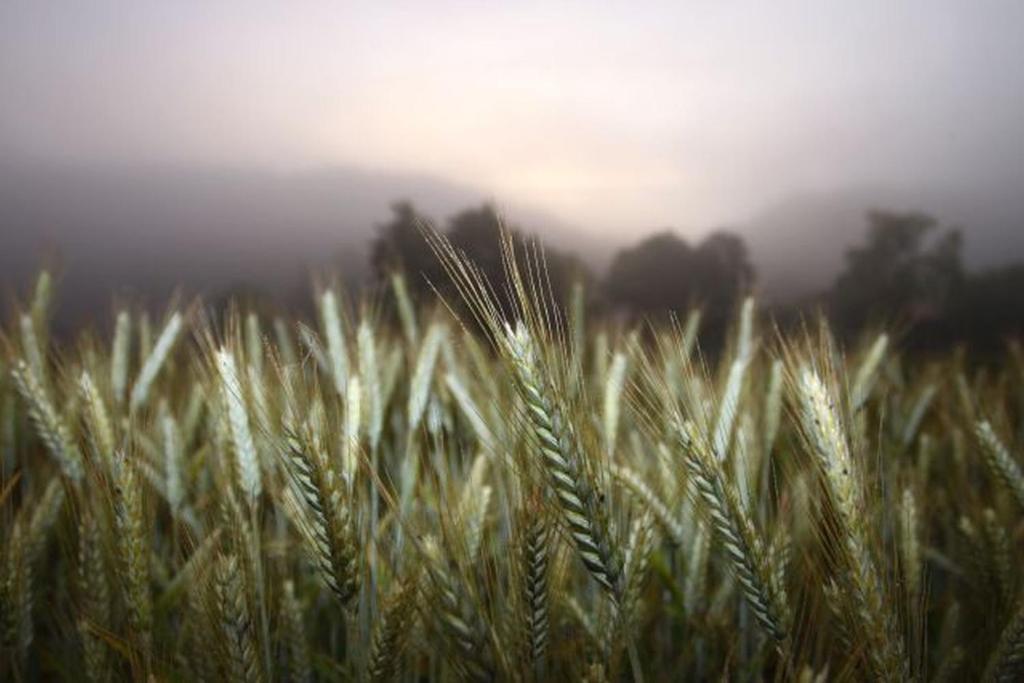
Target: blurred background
(863,158)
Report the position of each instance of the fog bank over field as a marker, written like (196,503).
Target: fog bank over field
(798,243)
(594,125)
(146,230)
(149,229)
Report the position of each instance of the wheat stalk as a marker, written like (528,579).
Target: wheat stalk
(861,581)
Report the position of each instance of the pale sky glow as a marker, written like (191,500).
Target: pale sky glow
(607,115)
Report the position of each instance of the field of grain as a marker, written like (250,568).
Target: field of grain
(520,495)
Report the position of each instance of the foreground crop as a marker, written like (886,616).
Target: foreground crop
(534,499)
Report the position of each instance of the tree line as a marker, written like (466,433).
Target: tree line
(907,273)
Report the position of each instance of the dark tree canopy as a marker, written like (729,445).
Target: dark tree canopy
(663,273)
(988,310)
(399,245)
(723,275)
(655,275)
(899,273)
(907,272)
(477,232)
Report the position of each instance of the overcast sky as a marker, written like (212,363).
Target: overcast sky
(608,115)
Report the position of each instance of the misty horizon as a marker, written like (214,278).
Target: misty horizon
(205,145)
(216,227)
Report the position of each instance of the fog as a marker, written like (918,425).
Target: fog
(210,143)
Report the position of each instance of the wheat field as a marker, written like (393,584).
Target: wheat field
(501,490)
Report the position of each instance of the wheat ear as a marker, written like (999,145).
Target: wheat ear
(337,353)
(745,550)
(155,360)
(470,656)
(392,631)
(48,423)
(97,418)
(535,558)
(243,446)
(236,624)
(94,590)
(563,462)
(419,387)
(326,520)
(1006,662)
(1000,463)
(867,371)
(639,547)
(910,545)
(634,484)
(614,384)
(823,428)
(406,310)
(16,595)
(120,350)
(132,548)
(298,667)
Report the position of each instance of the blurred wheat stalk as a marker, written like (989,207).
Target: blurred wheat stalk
(523,497)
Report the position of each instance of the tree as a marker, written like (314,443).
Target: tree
(989,309)
(898,272)
(723,276)
(477,232)
(654,276)
(399,245)
(664,274)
